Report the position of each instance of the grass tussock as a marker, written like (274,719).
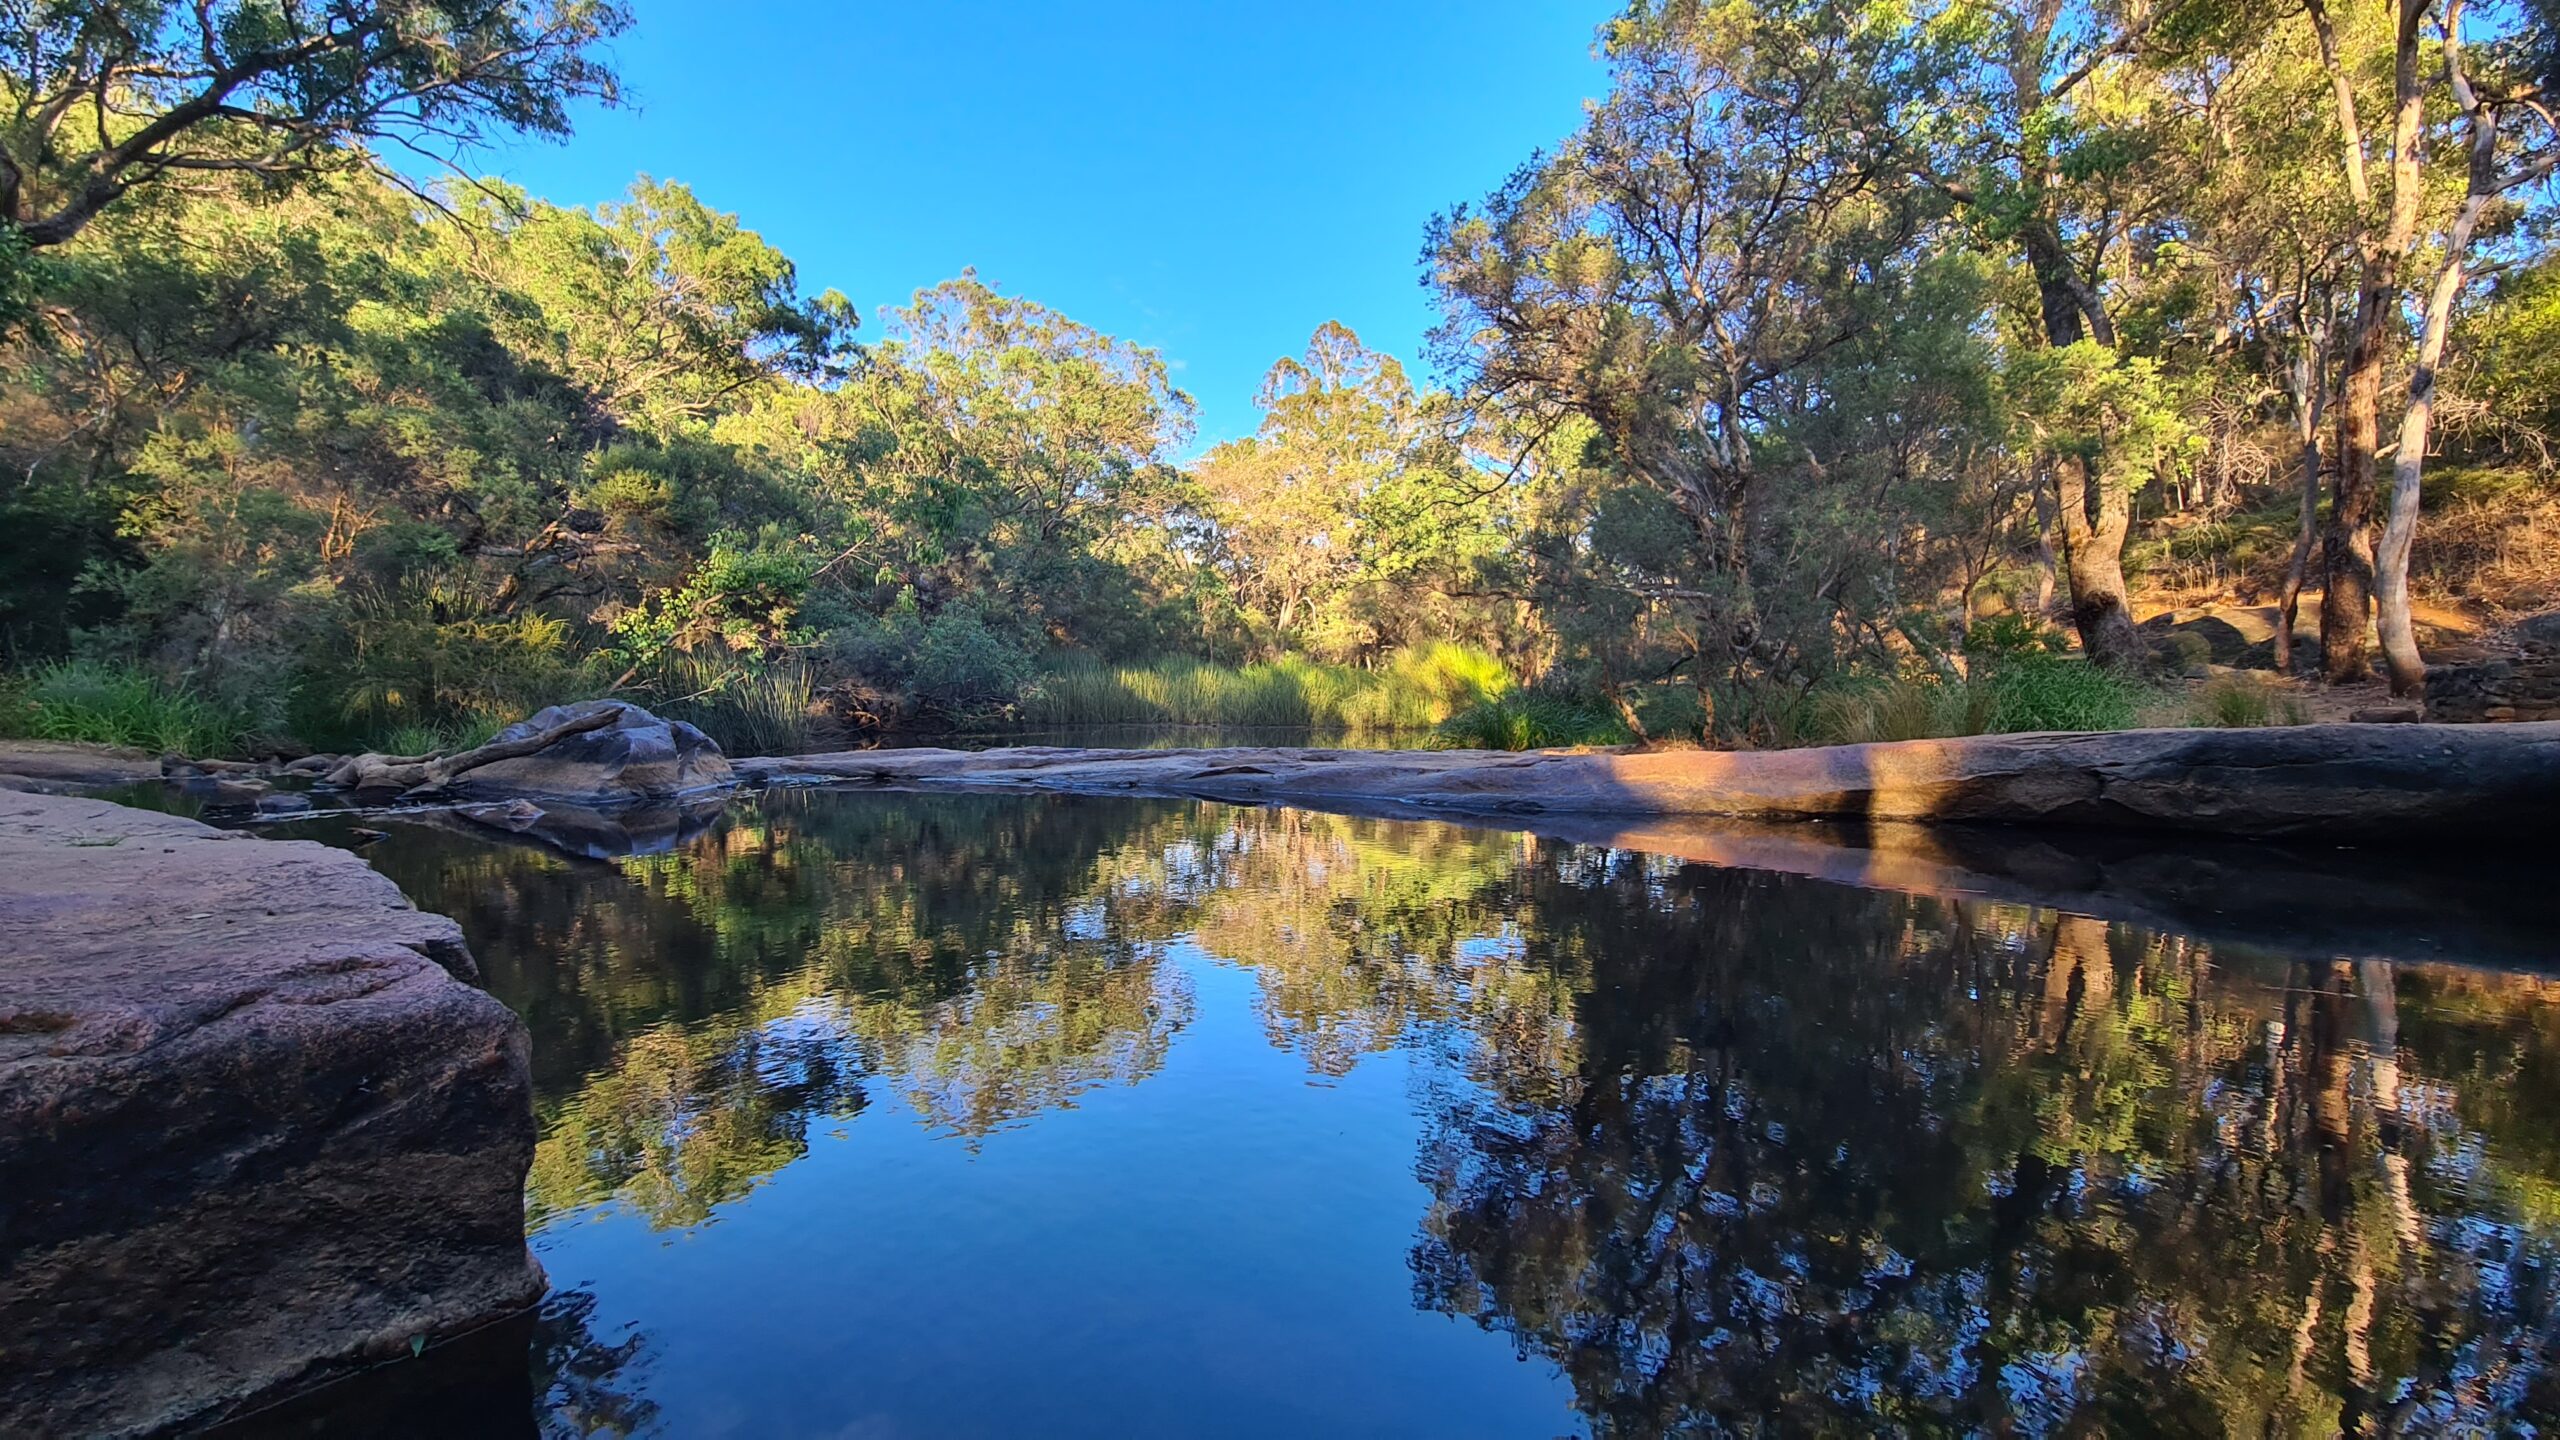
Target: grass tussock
(108,703)
(1415,690)
(2241,702)
(746,709)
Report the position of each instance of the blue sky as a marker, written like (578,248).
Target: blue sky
(1208,178)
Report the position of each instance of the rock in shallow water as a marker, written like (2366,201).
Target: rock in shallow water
(253,1128)
(635,757)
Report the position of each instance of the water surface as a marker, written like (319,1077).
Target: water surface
(886,1115)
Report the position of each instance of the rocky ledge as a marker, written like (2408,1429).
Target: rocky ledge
(255,1128)
(2327,783)
(54,767)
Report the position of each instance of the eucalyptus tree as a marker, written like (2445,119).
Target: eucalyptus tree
(2039,121)
(1337,425)
(99,97)
(2509,143)
(2495,118)
(1679,273)
(664,311)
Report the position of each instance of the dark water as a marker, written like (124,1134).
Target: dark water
(874,1115)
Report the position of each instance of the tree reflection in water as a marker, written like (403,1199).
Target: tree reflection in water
(1723,1146)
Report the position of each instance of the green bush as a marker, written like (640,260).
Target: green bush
(437,658)
(1913,708)
(958,665)
(111,703)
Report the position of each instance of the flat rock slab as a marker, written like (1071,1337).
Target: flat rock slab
(2331,783)
(60,767)
(254,1125)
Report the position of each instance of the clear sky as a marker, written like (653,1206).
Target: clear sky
(1209,178)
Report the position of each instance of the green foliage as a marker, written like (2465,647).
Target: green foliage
(1530,720)
(742,599)
(109,703)
(959,666)
(438,656)
(1749,414)
(2027,691)
(746,708)
(1414,691)
(2012,635)
(274,89)
(2057,693)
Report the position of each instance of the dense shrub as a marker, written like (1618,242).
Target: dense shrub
(959,665)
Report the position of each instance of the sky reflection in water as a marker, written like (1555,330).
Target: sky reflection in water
(883,1115)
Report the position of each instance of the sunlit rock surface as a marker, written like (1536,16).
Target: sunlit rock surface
(2340,783)
(254,1126)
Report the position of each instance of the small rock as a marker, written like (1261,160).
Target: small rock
(364,837)
(313,765)
(283,803)
(228,792)
(516,815)
(2385,715)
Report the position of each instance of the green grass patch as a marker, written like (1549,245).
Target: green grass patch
(110,703)
(2012,695)
(1414,690)
(1530,720)
(746,709)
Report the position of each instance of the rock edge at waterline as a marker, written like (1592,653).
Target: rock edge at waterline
(2337,783)
(254,1126)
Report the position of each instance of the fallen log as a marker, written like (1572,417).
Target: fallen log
(423,775)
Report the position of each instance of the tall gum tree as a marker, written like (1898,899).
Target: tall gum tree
(1677,274)
(98,97)
(2001,119)
(2492,171)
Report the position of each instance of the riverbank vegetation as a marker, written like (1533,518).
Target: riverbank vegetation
(1854,373)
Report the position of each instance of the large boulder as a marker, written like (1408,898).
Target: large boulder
(255,1125)
(631,758)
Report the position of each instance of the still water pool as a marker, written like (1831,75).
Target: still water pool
(877,1115)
